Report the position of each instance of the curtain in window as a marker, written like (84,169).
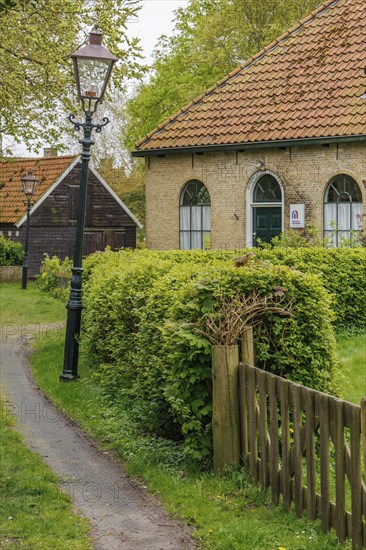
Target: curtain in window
(342,209)
(195,217)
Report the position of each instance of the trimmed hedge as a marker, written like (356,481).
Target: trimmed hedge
(144,313)
(11,253)
(342,271)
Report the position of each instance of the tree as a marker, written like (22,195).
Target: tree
(36,40)
(211,38)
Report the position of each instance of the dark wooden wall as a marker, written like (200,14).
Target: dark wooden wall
(53,224)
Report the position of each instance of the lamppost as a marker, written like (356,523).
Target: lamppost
(29,183)
(93,66)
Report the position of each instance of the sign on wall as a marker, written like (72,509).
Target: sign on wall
(297,216)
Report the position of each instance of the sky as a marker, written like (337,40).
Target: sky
(155,18)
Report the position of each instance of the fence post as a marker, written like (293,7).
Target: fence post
(363,434)
(247,350)
(225,407)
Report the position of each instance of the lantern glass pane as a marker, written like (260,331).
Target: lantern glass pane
(92,75)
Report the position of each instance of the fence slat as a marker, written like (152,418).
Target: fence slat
(297,454)
(355,478)
(323,407)
(363,436)
(252,424)
(243,400)
(263,434)
(340,470)
(273,455)
(285,441)
(308,402)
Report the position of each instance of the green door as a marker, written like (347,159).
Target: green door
(267,223)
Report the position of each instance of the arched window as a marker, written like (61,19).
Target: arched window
(342,209)
(195,216)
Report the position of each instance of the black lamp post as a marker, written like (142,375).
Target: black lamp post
(29,183)
(93,65)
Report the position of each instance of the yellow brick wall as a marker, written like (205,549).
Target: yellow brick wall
(304,173)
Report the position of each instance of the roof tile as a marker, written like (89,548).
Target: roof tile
(46,170)
(307,83)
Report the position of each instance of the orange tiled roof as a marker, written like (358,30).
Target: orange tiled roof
(307,84)
(46,170)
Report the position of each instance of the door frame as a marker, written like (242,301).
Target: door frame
(250,205)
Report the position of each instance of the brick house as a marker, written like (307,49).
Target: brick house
(53,215)
(278,143)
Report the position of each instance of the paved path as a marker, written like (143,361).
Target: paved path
(122,515)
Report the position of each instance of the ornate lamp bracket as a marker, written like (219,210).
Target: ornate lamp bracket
(88,126)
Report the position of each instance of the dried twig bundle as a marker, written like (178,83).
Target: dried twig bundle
(226,325)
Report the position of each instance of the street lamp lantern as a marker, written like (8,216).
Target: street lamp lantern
(93,65)
(29,183)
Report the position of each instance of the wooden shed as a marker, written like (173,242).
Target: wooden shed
(53,215)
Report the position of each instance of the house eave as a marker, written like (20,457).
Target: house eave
(244,146)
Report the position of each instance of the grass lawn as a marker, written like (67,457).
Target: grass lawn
(28,306)
(351,351)
(34,513)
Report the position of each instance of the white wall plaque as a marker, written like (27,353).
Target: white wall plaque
(297,216)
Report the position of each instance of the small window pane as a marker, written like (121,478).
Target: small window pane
(206,218)
(184,240)
(330,217)
(185,214)
(344,216)
(196,241)
(196,217)
(207,240)
(357,216)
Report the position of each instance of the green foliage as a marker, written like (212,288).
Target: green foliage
(51,270)
(143,330)
(35,63)
(211,37)
(11,253)
(342,271)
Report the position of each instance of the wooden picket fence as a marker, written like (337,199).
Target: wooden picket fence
(306,446)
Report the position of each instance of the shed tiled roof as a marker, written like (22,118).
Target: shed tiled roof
(309,83)
(46,170)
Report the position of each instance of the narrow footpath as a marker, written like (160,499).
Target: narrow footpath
(122,515)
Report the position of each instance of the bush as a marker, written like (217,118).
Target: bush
(50,270)
(11,253)
(342,271)
(144,320)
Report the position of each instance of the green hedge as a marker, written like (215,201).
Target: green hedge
(143,322)
(342,271)
(11,253)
